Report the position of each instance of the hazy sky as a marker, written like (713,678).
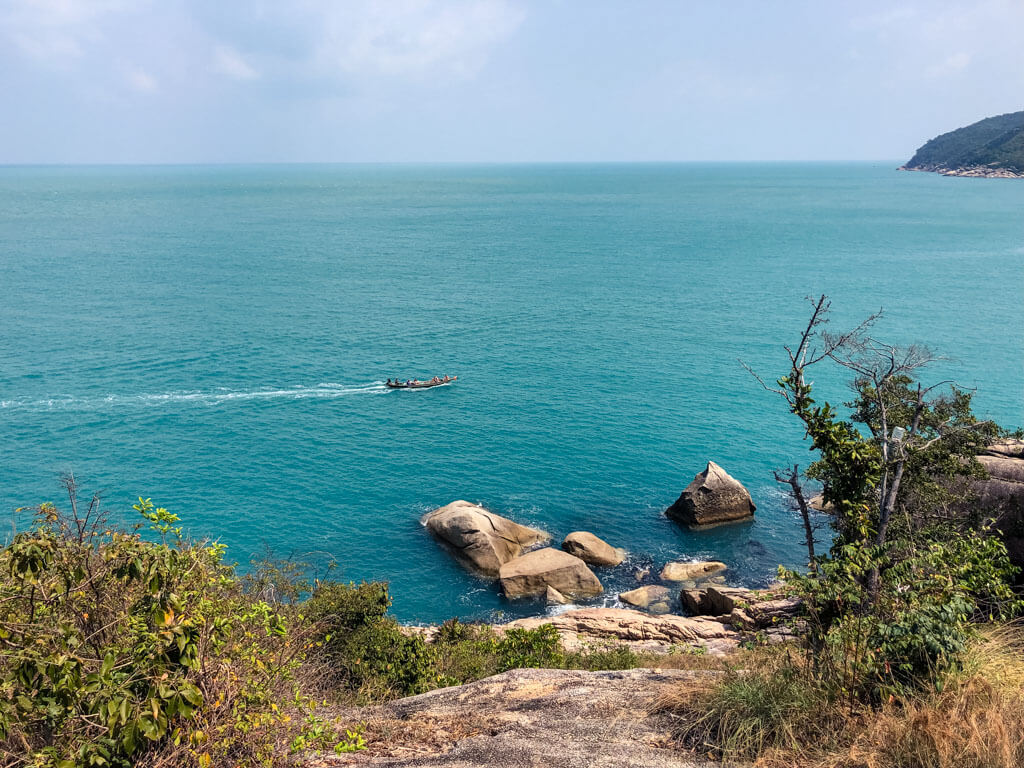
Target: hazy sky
(503,80)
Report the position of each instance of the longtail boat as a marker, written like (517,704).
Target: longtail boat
(419,384)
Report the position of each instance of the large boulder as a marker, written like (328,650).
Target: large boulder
(480,540)
(713,498)
(534,572)
(592,550)
(696,571)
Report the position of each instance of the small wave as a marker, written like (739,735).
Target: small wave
(217,397)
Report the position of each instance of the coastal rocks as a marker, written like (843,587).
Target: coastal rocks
(695,602)
(713,498)
(639,631)
(691,571)
(592,550)
(654,598)
(744,608)
(480,540)
(818,503)
(769,612)
(969,171)
(720,601)
(553,597)
(534,572)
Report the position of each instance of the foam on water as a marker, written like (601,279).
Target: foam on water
(217,397)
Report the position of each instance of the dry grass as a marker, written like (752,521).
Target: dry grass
(768,711)
(977,721)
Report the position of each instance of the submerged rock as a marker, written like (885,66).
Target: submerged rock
(592,550)
(713,498)
(553,597)
(691,571)
(643,597)
(534,572)
(480,540)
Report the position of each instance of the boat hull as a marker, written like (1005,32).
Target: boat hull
(421,385)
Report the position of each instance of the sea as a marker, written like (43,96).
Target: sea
(217,338)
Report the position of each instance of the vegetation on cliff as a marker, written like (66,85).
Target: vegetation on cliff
(902,612)
(995,143)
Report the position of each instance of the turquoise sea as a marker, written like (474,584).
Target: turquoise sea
(217,338)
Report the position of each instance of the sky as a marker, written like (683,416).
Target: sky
(197,81)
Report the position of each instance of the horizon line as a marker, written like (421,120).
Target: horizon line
(194,163)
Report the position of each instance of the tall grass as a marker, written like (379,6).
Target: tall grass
(774,712)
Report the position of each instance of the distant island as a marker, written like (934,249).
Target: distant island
(989,148)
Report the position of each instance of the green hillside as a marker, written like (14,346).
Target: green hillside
(995,144)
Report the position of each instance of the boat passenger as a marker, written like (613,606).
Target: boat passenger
(446,377)
(389,381)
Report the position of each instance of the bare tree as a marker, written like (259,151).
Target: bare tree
(796,492)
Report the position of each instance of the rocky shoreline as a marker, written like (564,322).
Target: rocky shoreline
(689,607)
(973,171)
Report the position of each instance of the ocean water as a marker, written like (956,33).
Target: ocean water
(217,338)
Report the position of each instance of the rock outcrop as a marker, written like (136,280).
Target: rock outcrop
(480,540)
(713,498)
(534,572)
(528,718)
(691,571)
(656,599)
(1001,494)
(639,631)
(592,550)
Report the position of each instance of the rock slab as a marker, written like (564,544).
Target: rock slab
(592,550)
(640,631)
(480,540)
(528,718)
(713,498)
(532,574)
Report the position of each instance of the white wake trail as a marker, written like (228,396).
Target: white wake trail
(324,390)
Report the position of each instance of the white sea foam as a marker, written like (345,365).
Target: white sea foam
(326,390)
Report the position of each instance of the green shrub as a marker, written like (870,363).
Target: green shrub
(117,649)
(366,650)
(538,647)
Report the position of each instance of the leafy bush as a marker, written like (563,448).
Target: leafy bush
(121,651)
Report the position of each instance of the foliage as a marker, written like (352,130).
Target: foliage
(118,650)
(892,603)
(373,657)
